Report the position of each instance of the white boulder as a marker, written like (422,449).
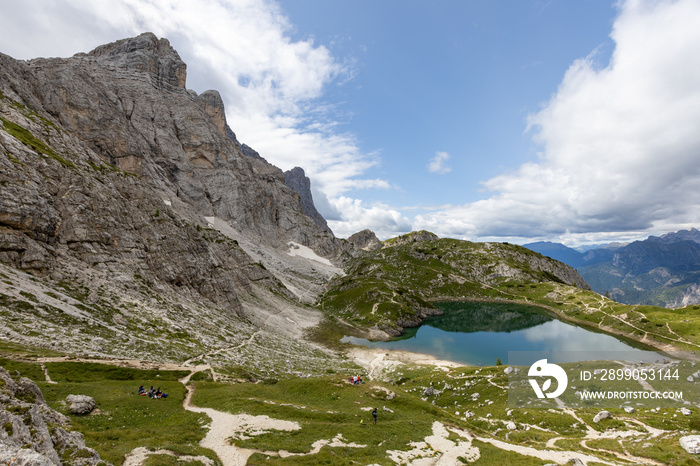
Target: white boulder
(80,404)
(691,444)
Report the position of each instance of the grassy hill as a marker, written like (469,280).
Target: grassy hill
(387,290)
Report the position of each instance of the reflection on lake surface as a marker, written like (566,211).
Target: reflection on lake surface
(480,333)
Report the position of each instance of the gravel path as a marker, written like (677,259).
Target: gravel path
(139,455)
(225,425)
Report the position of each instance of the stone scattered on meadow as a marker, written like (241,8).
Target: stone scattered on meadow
(80,404)
(691,444)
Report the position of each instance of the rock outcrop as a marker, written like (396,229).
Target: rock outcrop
(691,444)
(145,54)
(558,271)
(34,434)
(297,180)
(412,237)
(366,240)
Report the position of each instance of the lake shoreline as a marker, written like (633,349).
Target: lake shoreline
(486,330)
(647,343)
(378,360)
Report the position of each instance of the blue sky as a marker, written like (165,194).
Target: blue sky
(484,120)
(456,77)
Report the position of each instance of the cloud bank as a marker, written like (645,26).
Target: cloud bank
(385,221)
(620,143)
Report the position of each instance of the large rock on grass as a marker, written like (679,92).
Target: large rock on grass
(23,457)
(691,444)
(80,404)
(602,415)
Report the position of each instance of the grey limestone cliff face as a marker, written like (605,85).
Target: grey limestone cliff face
(297,180)
(64,212)
(127,101)
(108,166)
(145,53)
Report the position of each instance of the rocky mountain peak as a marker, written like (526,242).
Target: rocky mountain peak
(147,54)
(110,168)
(299,182)
(127,102)
(366,239)
(213,105)
(691,234)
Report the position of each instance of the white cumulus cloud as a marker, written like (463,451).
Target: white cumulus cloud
(620,142)
(385,221)
(438,164)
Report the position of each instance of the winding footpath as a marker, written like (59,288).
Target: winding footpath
(225,425)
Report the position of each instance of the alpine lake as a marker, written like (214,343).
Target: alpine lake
(480,333)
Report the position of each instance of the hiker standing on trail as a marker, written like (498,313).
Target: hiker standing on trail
(374,415)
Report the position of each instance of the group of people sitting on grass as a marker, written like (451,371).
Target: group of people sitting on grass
(355,379)
(153,393)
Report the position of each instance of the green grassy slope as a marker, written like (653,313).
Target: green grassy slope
(463,399)
(123,420)
(393,288)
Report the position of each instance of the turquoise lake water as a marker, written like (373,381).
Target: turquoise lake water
(480,333)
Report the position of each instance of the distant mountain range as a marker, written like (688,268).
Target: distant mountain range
(661,270)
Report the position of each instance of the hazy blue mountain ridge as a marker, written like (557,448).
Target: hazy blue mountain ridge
(661,270)
(558,252)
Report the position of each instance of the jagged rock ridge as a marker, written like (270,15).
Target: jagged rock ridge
(661,270)
(297,180)
(366,239)
(127,101)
